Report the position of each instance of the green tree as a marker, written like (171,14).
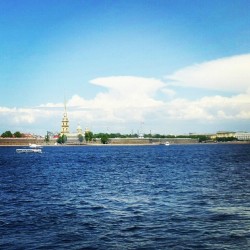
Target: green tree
(203,138)
(59,140)
(17,134)
(226,139)
(104,139)
(80,138)
(62,139)
(88,136)
(7,134)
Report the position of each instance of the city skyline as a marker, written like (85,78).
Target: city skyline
(169,67)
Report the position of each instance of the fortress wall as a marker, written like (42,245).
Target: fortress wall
(175,140)
(19,141)
(128,141)
(152,141)
(112,141)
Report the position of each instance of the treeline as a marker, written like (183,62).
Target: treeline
(226,139)
(114,135)
(201,138)
(88,137)
(8,134)
(105,137)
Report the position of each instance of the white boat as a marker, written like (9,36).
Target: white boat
(167,143)
(35,145)
(29,150)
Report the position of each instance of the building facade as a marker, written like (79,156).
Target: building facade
(71,137)
(65,124)
(242,136)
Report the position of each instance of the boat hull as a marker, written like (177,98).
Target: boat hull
(28,150)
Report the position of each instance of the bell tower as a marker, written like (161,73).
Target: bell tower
(65,122)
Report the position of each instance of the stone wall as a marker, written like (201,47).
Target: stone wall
(19,141)
(152,141)
(112,141)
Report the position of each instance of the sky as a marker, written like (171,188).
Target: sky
(127,66)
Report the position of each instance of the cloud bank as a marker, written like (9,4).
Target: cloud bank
(228,74)
(127,101)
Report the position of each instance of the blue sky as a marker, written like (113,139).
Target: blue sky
(165,66)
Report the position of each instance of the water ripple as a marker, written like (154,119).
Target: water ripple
(177,197)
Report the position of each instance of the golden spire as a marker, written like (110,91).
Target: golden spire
(65,109)
(65,120)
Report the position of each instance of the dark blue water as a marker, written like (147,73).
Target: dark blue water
(137,197)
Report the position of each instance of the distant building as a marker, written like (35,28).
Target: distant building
(71,137)
(242,136)
(79,130)
(28,135)
(65,122)
(223,134)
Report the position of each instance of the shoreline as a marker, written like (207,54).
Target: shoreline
(129,144)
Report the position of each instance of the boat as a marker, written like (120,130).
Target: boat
(29,150)
(164,143)
(33,145)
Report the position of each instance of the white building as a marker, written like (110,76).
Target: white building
(242,136)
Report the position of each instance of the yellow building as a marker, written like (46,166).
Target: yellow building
(65,127)
(223,134)
(65,123)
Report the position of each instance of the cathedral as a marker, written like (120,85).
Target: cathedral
(65,127)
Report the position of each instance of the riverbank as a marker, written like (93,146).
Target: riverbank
(112,141)
(24,142)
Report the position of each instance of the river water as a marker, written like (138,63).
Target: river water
(126,197)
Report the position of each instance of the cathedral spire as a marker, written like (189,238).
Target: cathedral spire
(65,108)
(65,121)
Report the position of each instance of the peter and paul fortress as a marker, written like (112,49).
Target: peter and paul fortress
(65,123)
(71,137)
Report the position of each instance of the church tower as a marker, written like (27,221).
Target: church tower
(65,122)
(79,130)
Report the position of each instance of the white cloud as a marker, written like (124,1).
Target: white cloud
(15,118)
(127,98)
(227,74)
(127,92)
(183,109)
(51,105)
(210,108)
(168,92)
(131,100)
(130,84)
